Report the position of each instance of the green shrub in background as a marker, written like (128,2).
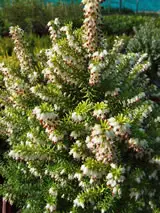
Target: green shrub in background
(83,135)
(147,40)
(33,15)
(6,47)
(34,41)
(119,24)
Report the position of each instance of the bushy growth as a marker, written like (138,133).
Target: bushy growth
(83,134)
(146,40)
(33,15)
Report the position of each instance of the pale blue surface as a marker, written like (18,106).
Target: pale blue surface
(144,5)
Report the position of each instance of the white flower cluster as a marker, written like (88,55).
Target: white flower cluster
(76,152)
(91,30)
(28,156)
(141,58)
(16,88)
(78,176)
(93,174)
(78,202)
(53,70)
(75,134)
(99,144)
(114,178)
(121,130)
(33,170)
(77,117)
(48,73)
(53,192)
(54,136)
(135,99)
(71,40)
(9,197)
(100,113)
(146,112)
(96,66)
(157,120)
(53,27)
(113,93)
(43,96)
(155,160)
(140,147)
(50,207)
(144,67)
(20,50)
(15,155)
(46,117)
(118,44)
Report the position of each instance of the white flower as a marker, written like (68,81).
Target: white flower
(97,139)
(36,110)
(112,121)
(78,176)
(97,130)
(109,176)
(75,154)
(114,166)
(113,183)
(77,202)
(88,139)
(74,134)
(103,210)
(138,180)
(76,117)
(56,21)
(64,28)
(55,139)
(115,190)
(47,206)
(33,89)
(29,135)
(28,206)
(84,169)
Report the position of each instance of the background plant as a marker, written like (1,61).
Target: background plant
(33,15)
(80,126)
(146,40)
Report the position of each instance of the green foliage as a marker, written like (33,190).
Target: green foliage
(83,134)
(146,40)
(33,15)
(35,43)
(119,24)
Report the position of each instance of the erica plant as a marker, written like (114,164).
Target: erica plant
(83,134)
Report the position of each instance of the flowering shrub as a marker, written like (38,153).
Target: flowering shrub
(148,41)
(83,134)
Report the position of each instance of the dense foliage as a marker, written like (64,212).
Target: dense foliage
(146,40)
(33,15)
(83,134)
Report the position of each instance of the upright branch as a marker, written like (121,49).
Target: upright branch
(24,58)
(91,25)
